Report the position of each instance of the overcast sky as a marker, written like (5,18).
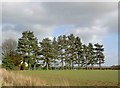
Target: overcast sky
(95,22)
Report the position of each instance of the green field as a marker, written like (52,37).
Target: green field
(76,77)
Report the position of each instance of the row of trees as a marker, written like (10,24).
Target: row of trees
(64,52)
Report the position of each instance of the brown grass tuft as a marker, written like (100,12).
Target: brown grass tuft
(16,79)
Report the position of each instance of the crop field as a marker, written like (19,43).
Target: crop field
(60,78)
(75,77)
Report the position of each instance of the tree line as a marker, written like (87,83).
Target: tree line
(63,52)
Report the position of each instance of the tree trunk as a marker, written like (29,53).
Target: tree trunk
(47,64)
(92,66)
(65,62)
(54,65)
(29,65)
(34,66)
(86,66)
(62,65)
(78,64)
(65,65)
(72,65)
(69,65)
(99,65)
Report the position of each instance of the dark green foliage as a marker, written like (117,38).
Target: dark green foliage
(66,52)
(85,56)
(7,63)
(63,52)
(47,52)
(72,49)
(91,52)
(10,58)
(79,52)
(55,52)
(99,54)
(12,61)
(28,48)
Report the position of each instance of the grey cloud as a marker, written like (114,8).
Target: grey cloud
(40,31)
(56,13)
(22,13)
(44,17)
(82,14)
(111,21)
(92,34)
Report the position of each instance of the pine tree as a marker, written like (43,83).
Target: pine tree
(72,49)
(61,51)
(99,54)
(65,50)
(27,46)
(47,52)
(78,51)
(55,52)
(92,60)
(35,53)
(85,56)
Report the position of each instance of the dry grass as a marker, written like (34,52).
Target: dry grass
(16,79)
(11,78)
(1,79)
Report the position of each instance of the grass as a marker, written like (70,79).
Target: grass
(62,78)
(76,77)
(11,78)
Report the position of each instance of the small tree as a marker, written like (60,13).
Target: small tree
(10,59)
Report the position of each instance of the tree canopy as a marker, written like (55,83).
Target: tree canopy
(63,52)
